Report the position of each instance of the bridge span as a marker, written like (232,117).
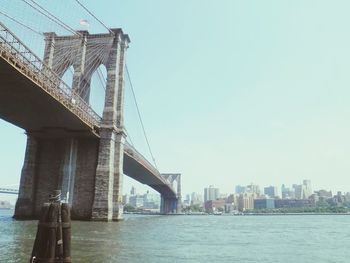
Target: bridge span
(69,146)
(8,191)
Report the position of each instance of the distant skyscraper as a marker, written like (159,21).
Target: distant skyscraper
(283,189)
(288,193)
(303,191)
(240,189)
(271,191)
(196,199)
(246,201)
(253,188)
(211,193)
(299,191)
(133,191)
(136,200)
(308,189)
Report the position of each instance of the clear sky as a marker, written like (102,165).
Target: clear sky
(233,92)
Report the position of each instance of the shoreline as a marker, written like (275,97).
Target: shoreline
(247,214)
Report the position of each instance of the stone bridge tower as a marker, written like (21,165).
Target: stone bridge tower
(172,205)
(89,170)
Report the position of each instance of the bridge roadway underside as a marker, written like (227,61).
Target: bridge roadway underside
(52,127)
(134,169)
(26,105)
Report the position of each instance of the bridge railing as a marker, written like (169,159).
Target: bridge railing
(21,57)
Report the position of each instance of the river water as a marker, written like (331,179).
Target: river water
(298,238)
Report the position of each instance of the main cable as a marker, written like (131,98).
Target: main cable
(22,24)
(50,16)
(140,118)
(90,13)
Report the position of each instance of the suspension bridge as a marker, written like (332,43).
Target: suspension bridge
(69,145)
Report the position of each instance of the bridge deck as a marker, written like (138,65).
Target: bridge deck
(138,168)
(26,105)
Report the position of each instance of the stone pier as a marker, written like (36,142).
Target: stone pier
(86,168)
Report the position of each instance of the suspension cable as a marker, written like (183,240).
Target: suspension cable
(129,137)
(90,13)
(140,118)
(20,23)
(50,16)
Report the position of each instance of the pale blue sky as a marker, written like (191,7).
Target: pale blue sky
(233,92)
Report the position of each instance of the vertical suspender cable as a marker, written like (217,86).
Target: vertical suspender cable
(140,118)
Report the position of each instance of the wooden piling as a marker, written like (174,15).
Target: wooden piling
(53,238)
(41,234)
(66,233)
(51,227)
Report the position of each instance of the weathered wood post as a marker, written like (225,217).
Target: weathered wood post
(53,237)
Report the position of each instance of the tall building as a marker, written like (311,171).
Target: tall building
(287,193)
(211,193)
(246,201)
(303,191)
(136,200)
(240,189)
(196,199)
(283,191)
(253,188)
(308,189)
(212,206)
(133,191)
(271,191)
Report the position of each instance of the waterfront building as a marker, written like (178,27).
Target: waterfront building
(271,191)
(246,201)
(232,198)
(212,206)
(136,200)
(324,194)
(229,208)
(293,203)
(151,201)
(265,203)
(211,193)
(196,199)
(314,198)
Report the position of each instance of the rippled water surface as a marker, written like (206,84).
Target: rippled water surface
(301,238)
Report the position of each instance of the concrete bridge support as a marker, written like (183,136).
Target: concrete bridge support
(87,169)
(169,205)
(172,205)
